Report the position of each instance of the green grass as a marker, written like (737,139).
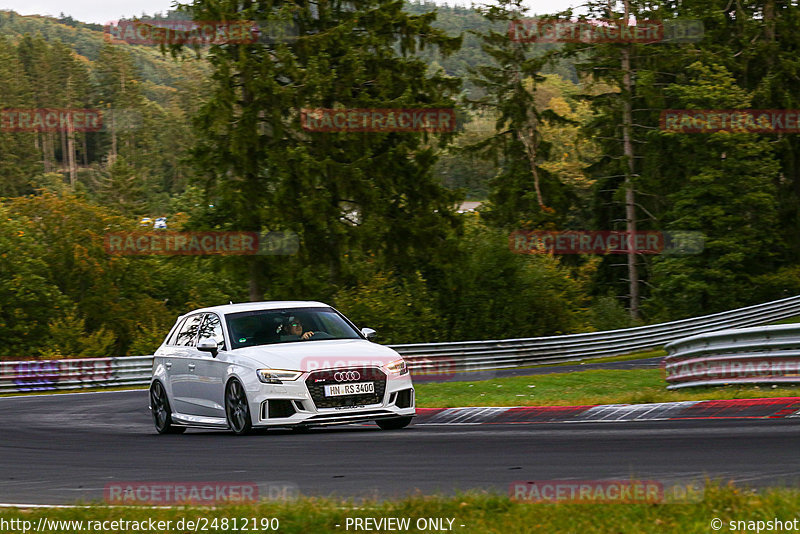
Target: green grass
(479,513)
(632,386)
(659,353)
(790,320)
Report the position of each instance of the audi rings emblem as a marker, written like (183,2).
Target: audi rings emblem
(346,376)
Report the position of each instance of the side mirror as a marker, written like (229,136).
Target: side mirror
(369,333)
(208,345)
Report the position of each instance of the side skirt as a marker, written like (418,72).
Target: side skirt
(199,421)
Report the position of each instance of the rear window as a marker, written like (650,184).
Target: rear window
(188,331)
(172,340)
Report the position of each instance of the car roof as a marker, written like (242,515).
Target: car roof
(255,306)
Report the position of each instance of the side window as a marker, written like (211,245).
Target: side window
(212,328)
(173,339)
(188,332)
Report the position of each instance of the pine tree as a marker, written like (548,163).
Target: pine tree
(119,95)
(120,187)
(523,192)
(18,155)
(266,172)
(39,65)
(724,188)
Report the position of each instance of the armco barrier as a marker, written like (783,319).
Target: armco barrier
(437,359)
(761,355)
(43,375)
(510,353)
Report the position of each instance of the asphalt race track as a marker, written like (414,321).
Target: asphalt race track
(66,448)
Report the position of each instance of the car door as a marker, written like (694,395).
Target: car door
(208,388)
(183,364)
(164,355)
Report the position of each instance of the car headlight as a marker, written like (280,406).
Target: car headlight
(277,376)
(397,367)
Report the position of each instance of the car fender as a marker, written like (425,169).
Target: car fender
(245,375)
(160,375)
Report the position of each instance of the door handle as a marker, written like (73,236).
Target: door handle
(191,367)
(168,365)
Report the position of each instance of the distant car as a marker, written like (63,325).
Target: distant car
(276,364)
(160,224)
(145,221)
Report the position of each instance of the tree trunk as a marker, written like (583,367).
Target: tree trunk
(62,137)
(85,150)
(113,156)
(769,22)
(528,140)
(530,149)
(49,152)
(73,170)
(256,294)
(630,199)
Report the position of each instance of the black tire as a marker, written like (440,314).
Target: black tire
(394,423)
(162,413)
(237,409)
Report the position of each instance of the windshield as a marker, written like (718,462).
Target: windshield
(287,325)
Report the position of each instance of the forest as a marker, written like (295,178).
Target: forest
(550,136)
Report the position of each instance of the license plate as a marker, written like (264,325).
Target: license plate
(359,388)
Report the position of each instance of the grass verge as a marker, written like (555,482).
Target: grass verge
(478,513)
(658,353)
(632,386)
(790,320)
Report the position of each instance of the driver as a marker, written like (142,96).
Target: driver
(294,327)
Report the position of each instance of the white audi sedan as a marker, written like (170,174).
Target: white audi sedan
(275,364)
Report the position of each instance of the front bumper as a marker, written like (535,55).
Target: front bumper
(302,402)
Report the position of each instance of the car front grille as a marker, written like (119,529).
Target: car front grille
(317,381)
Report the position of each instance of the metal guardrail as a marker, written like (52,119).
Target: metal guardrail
(510,353)
(761,355)
(43,375)
(437,359)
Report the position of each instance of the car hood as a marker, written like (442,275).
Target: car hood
(322,354)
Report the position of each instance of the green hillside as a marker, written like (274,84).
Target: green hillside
(158,71)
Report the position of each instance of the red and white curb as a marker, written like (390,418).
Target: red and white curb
(768,408)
